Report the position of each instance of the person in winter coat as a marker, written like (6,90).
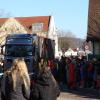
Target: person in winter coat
(71,72)
(90,74)
(16,82)
(46,87)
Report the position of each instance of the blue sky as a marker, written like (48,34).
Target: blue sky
(69,15)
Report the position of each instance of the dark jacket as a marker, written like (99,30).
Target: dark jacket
(45,88)
(8,93)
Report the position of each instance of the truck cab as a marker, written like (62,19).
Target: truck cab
(20,46)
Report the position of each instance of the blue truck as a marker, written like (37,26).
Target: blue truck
(30,47)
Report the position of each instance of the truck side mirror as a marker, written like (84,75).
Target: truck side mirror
(2,49)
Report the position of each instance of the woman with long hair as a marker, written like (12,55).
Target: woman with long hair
(16,82)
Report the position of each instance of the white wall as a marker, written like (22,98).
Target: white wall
(52,34)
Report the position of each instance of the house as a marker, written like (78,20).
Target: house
(70,52)
(41,25)
(93,34)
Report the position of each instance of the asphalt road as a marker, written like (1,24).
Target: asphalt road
(79,94)
(71,96)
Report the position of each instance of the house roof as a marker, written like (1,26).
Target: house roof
(94,20)
(28,21)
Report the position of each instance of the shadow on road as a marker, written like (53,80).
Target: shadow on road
(82,92)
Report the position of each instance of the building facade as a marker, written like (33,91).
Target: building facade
(93,33)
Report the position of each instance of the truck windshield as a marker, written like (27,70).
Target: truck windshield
(18,50)
(18,40)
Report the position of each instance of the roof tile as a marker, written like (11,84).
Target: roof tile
(28,21)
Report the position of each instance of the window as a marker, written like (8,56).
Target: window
(37,27)
(19,50)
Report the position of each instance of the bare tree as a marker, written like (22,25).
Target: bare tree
(63,44)
(65,40)
(3,13)
(62,33)
(69,34)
